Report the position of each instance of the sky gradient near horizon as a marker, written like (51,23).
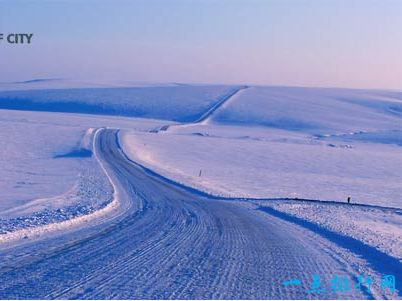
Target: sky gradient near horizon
(326,43)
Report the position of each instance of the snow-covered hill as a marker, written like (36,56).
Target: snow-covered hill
(178,103)
(315,110)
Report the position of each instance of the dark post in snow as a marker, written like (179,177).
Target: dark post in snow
(200,173)
(348,199)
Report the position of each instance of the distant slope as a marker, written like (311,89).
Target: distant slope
(61,83)
(177,103)
(315,110)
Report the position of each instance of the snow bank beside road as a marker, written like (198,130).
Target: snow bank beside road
(40,156)
(376,227)
(50,178)
(91,194)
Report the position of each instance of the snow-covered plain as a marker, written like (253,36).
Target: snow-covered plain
(268,163)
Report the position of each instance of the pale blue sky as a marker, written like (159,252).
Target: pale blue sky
(343,43)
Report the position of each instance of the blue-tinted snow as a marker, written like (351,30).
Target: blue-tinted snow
(317,111)
(177,103)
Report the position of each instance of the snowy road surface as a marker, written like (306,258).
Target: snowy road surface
(173,243)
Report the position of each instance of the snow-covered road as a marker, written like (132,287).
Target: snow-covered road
(175,243)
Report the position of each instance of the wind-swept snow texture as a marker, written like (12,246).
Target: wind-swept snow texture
(177,103)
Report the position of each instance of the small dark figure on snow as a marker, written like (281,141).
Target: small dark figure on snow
(348,199)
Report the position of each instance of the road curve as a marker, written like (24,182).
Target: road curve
(172,243)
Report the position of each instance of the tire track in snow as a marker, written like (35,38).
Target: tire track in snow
(173,243)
